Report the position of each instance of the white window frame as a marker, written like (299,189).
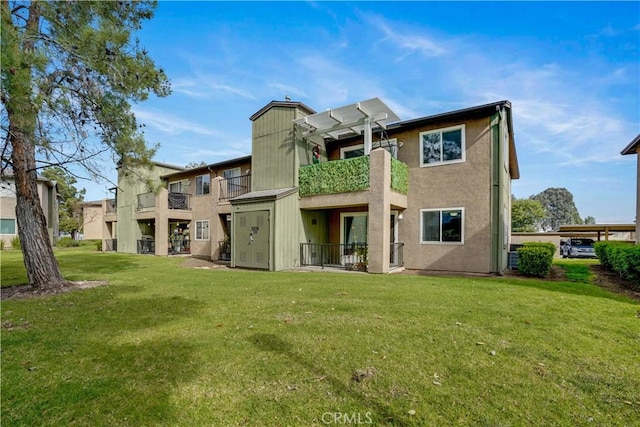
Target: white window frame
(173,184)
(441,242)
(441,131)
(15,226)
(232,173)
(393,142)
(199,187)
(344,150)
(200,228)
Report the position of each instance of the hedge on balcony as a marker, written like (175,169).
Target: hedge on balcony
(399,176)
(334,177)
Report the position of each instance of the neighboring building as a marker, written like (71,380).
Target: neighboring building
(189,213)
(93,219)
(634,148)
(48,193)
(349,187)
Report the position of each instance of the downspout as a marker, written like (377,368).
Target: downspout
(496,196)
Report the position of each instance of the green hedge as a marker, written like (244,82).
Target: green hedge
(334,177)
(399,176)
(67,242)
(535,258)
(621,257)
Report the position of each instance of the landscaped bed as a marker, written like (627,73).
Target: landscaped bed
(161,344)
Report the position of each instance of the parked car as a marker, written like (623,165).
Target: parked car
(578,248)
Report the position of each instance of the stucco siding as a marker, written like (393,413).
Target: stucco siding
(92,222)
(464,185)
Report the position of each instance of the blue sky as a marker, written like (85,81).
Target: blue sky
(570,69)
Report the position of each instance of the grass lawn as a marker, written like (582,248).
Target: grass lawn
(166,345)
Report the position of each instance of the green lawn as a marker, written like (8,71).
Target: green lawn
(166,345)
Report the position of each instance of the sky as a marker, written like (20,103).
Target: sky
(570,69)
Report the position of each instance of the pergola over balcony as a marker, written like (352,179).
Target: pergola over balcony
(351,119)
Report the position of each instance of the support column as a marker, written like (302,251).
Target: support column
(379,229)
(162,223)
(368,136)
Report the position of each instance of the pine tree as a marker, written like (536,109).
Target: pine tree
(69,72)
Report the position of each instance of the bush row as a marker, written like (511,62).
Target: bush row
(621,257)
(535,258)
(67,242)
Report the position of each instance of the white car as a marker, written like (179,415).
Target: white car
(578,248)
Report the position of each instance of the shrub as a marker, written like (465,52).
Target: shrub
(67,242)
(535,259)
(621,257)
(15,243)
(544,245)
(2,243)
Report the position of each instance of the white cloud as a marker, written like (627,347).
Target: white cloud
(407,43)
(170,123)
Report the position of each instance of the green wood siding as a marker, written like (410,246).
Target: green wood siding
(274,163)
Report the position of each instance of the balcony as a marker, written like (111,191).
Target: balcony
(344,176)
(147,246)
(351,256)
(178,201)
(179,246)
(110,207)
(111,245)
(234,187)
(358,181)
(338,176)
(146,201)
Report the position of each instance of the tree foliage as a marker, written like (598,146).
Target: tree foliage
(69,209)
(560,208)
(70,70)
(527,215)
(195,164)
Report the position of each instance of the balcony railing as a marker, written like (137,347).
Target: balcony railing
(224,250)
(147,246)
(146,200)
(110,206)
(234,187)
(351,256)
(180,201)
(179,246)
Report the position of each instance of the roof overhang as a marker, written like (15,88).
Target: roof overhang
(633,146)
(595,228)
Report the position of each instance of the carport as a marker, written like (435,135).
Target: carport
(596,229)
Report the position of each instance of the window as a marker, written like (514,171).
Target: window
(175,187)
(351,151)
(231,173)
(354,227)
(8,226)
(202,230)
(203,183)
(442,225)
(442,146)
